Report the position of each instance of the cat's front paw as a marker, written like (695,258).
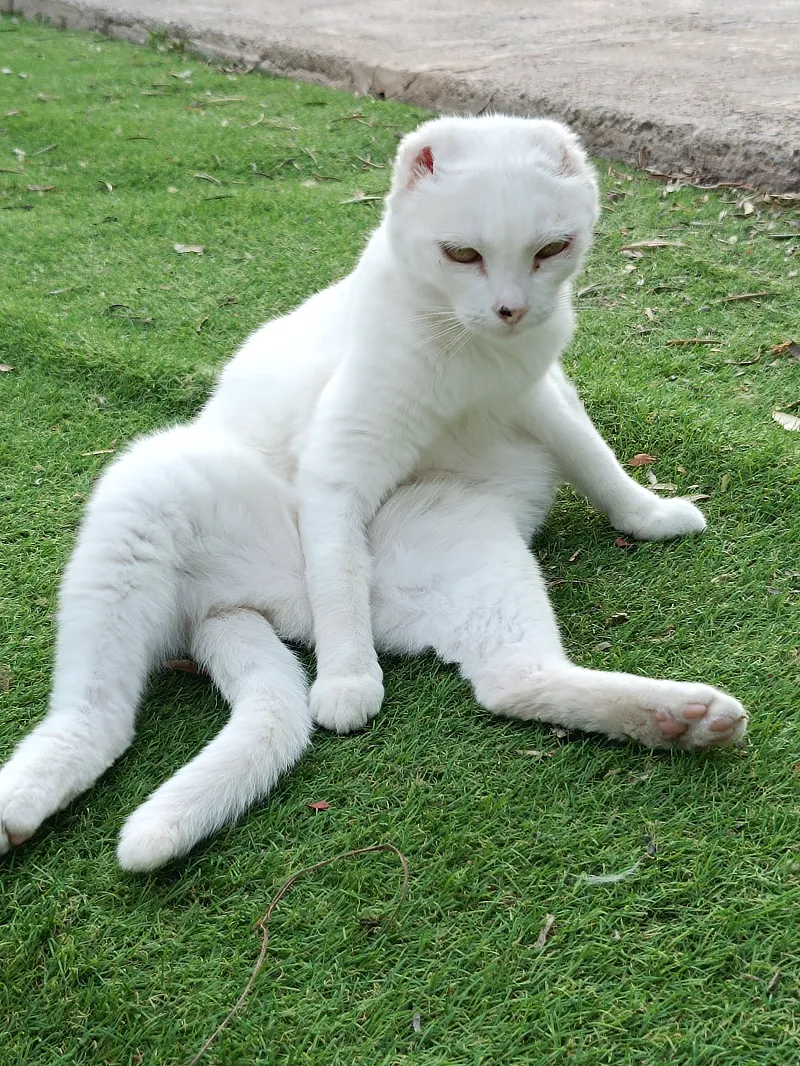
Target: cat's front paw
(151,837)
(344,704)
(662,520)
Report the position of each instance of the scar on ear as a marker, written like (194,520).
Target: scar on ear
(421,167)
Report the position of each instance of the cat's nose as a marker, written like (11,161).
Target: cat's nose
(511,315)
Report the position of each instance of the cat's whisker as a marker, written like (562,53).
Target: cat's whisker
(451,352)
(427,313)
(429,339)
(432,312)
(440,358)
(433,320)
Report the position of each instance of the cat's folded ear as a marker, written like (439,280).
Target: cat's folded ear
(573,161)
(421,166)
(415,161)
(567,153)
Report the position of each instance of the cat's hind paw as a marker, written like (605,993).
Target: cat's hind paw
(24,805)
(664,520)
(706,718)
(344,704)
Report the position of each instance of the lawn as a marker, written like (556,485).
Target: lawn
(109,157)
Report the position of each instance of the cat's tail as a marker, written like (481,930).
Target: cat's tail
(118,611)
(269,728)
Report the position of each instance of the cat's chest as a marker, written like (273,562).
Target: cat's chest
(467,440)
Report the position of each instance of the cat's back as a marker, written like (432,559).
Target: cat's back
(267,393)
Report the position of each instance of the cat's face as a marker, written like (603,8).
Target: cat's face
(490,217)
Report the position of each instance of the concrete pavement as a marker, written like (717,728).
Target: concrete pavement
(708,87)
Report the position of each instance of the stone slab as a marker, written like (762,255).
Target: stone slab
(707,87)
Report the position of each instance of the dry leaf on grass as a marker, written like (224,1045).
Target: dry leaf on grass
(546,930)
(787,421)
(184,666)
(610,879)
(787,348)
(182,249)
(659,486)
(40,188)
(651,244)
(318,805)
(220,100)
(5,368)
(744,296)
(620,542)
(641,459)
(416,1022)
(693,340)
(360,198)
(128,313)
(617,619)
(208,177)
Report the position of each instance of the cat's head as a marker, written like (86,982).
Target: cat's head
(490,216)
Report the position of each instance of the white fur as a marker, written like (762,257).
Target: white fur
(370,468)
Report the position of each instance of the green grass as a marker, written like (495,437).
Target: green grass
(110,333)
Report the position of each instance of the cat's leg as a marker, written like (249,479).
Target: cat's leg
(269,728)
(116,610)
(364,439)
(461,580)
(558,419)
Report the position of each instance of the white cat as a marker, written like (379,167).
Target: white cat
(370,468)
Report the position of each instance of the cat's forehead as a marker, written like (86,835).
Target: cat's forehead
(500,180)
(509,205)
(496,138)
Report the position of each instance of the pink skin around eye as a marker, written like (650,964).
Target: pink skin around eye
(537,262)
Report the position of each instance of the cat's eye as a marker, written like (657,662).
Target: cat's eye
(462,255)
(551,249)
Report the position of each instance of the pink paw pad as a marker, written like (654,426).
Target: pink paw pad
(693,711)
(669,726)
(721,725)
